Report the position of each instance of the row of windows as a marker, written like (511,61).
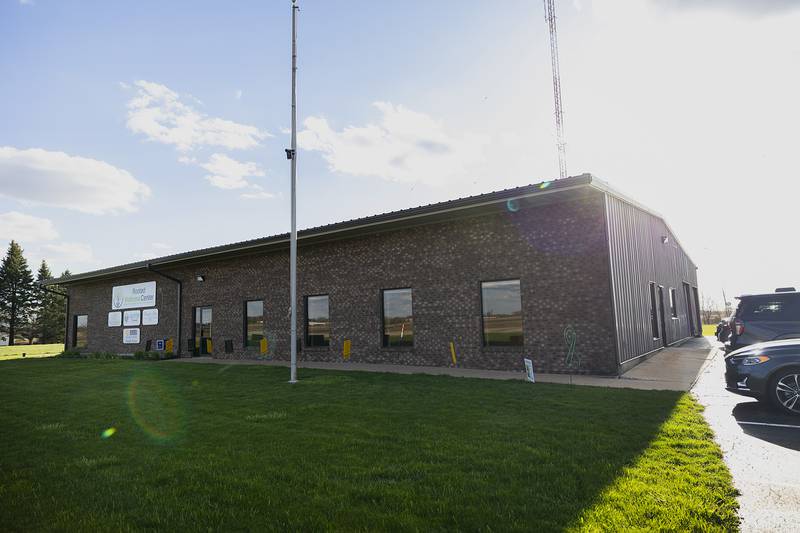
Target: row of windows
(501,310)
(500,302)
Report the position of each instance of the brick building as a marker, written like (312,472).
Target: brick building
(568,273)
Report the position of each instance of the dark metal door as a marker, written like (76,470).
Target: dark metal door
(661,312)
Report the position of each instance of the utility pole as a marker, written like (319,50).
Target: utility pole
(550,18)
(292,155)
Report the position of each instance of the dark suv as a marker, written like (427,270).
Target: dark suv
(765,317)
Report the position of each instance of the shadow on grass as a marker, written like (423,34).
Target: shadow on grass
(339,450)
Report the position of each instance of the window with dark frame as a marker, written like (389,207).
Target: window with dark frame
(653,312)
(81,339)
(253,323)
(673,302)
(318,321)
(398,318)
(501,308)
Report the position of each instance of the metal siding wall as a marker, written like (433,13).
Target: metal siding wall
(638,257)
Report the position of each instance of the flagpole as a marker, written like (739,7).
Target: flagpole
(292,153)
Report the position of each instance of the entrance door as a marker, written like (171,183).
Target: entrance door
(661,312)
(689,309)
(202,330)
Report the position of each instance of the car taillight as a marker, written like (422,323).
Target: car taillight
(738,327)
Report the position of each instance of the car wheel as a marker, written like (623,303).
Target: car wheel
(785,391)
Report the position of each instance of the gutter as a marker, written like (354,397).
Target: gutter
(66,314)
(180,303)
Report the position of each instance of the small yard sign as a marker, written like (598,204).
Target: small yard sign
(529,371)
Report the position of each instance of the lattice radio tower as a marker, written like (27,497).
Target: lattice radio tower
(550,18)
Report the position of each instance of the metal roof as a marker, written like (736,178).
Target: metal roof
(374,223)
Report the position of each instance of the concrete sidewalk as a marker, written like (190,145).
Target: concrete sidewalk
(674,368)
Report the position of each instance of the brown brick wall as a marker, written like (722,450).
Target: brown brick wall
(558,251)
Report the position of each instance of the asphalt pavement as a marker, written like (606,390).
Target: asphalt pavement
(761,447)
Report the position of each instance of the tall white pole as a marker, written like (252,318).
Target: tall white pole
(293,237)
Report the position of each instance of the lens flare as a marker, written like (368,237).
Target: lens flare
(107,433)
(512,205)
(156,406)
(545,184)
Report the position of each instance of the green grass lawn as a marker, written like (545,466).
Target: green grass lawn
(30,350)
(237,448)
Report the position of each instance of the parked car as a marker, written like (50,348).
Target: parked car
(768,371)
(765,317)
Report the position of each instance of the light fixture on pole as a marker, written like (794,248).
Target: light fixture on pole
(291,153)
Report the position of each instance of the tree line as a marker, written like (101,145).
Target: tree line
(28,312)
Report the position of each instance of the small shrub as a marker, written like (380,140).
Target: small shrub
(72,354)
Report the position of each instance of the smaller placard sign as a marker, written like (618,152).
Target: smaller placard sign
(132,318)
(130,336)
(149,317)
(529,371)
(114,319)
(159,345)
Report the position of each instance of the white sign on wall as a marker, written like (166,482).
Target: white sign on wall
(136,295)
(150,317)
(114,319)
(132,318)
(130,336)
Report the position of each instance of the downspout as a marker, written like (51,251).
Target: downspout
(180,303)
(66,317)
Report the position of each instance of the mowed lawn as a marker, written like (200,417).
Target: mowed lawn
(219,447)
(30,350)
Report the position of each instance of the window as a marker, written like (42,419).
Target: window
(673,303)
(502,313)
(318,321)
(81,339)
(772,308)
(653,311)
(253,323)
(398,319)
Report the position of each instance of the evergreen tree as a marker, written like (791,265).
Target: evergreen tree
(54,314)
(49,314)
(16,291)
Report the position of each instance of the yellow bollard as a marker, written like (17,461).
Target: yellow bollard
(453,353)
(168,346)
(346,349)
(264,346)
(209,346)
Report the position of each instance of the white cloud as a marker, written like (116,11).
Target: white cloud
(158,113)
(238,94)
(26,2)
(57,179)
(228,173)
(69,253)
(25,228)
(405,146)
(258,193)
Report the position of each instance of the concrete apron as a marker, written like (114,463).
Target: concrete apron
(675,368)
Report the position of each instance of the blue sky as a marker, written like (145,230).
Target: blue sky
(144,128)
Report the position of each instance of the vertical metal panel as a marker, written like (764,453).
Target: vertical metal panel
(639,256)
